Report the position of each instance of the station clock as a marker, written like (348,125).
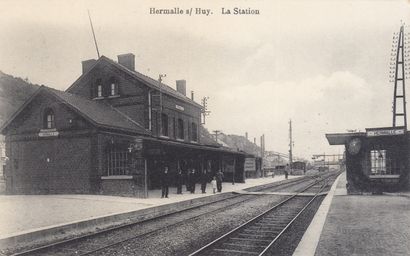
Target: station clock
(354,145)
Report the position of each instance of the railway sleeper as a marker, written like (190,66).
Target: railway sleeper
(244,245)
(236,252)
(250,239)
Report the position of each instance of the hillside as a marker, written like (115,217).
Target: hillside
(14,92)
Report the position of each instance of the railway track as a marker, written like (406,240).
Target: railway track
(93,243)
(258,235)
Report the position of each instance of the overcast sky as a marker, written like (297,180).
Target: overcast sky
(323,64)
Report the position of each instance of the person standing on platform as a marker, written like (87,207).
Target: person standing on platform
(165,182)
(179,181)
(192,181)
(187,175)
(219,178)
(204,180)
(188,179)
(213,182)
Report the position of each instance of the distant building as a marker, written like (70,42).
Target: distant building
(111,132)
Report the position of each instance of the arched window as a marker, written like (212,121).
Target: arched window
(164,123)
(113,87)
(48,122)
(99,89)
(180,128)
(194,132)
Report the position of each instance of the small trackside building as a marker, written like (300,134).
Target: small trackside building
(376,160)
(111,132)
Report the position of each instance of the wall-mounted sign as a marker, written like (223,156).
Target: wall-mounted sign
(138,144)
(48,133)
(250,164)
(385,132)
(179,107)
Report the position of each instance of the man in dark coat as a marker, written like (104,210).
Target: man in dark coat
(192,181)
(179,181)
(219,177)
(188,180)
(165,182)
(204,180)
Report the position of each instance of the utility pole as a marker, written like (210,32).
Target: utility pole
(399,79)
(160,102)
(205,111)
(262,153)
(216,135)
(290,145)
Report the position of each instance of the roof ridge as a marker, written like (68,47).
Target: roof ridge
(153,81)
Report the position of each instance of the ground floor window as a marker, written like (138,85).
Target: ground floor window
(119,162)
(378,162)
(386,162)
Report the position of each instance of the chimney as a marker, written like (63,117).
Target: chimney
(246,135)
(254,140)
(192,95)
(127,60)
(87,64)
(181,87)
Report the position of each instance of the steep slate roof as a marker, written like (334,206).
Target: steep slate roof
(206,138)
(142,78)
(100,113)
(97,113)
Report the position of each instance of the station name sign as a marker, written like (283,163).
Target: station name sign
(385,132)
(250,164)
(48,133)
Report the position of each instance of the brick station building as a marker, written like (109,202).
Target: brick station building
(110,132)
(376,160)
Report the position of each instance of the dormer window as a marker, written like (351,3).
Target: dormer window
(99,91)
(113,87)
(49,119)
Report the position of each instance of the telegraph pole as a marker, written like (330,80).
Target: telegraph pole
(290,145)
(399,80)
(216,134)
(262,153)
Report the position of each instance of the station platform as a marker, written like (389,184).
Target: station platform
(358,224)
(26,217)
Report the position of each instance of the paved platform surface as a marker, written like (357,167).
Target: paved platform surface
(360,225)
(24,213)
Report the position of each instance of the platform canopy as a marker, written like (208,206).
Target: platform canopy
(342,138)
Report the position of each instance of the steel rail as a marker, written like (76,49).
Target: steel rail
(208,246)
(291,222)
(175,224)
(86,236)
